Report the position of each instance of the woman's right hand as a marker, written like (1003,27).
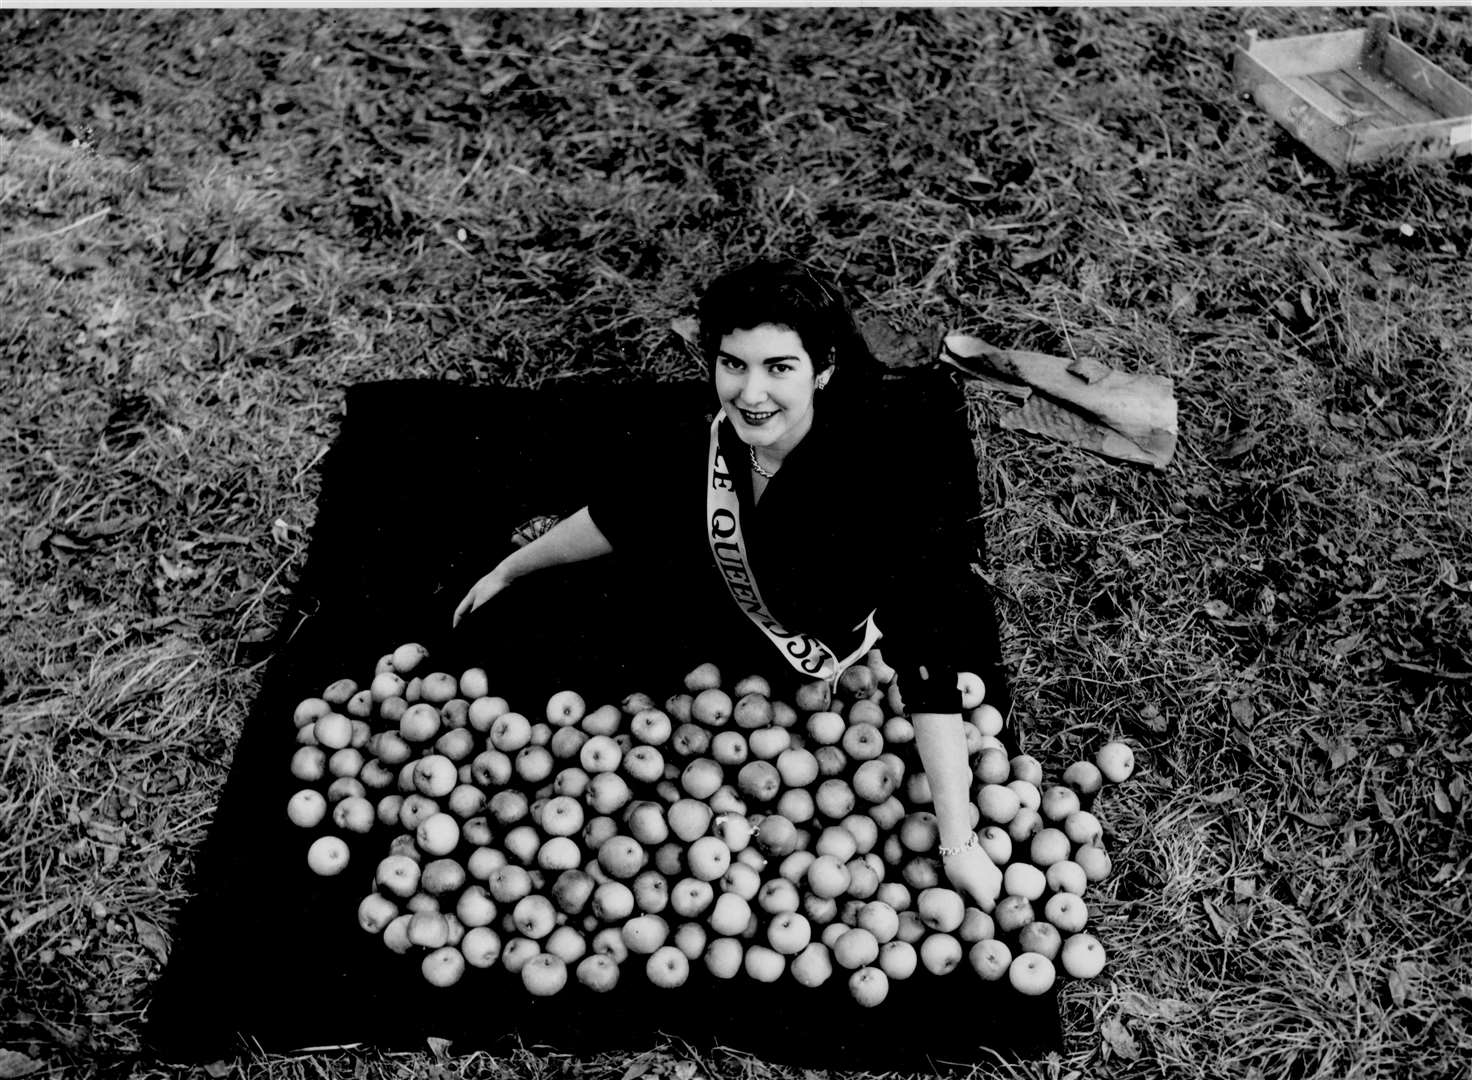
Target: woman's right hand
(479,593)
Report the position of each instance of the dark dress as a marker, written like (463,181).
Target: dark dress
(857,519)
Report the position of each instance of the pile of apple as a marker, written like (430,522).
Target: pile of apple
(722,827)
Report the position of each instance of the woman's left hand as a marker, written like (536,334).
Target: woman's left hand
(973,873)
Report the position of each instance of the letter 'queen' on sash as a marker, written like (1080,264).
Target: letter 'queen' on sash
(723,528)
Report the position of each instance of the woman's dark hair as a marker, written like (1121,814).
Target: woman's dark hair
(784,292)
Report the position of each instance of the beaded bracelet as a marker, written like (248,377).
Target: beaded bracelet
(971,842)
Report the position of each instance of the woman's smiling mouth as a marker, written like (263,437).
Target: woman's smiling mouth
(756,419)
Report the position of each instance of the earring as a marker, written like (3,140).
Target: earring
(822,380)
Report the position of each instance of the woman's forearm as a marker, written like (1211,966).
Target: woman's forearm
(942,746)
(574,539)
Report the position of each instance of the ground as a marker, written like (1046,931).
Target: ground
(212,223)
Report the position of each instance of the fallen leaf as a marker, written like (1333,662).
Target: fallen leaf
(1243,712)
(1321,821)
(14,1063)
(1217,609)
(440,1048)
(1216,798)
(1399,981)
(219,1069)
(1119,1039)
(1148,1007)
(1220,925)
(637,1069)
(152,939)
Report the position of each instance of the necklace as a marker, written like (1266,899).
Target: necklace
(757,465)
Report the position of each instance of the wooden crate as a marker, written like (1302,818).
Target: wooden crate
(1357,96)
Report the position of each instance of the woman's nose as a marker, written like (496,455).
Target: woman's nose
(754,388)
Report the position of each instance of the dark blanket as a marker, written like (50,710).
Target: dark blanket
(420,495)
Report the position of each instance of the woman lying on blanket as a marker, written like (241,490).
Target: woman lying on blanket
(821,528)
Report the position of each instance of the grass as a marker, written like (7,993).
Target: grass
(212,223)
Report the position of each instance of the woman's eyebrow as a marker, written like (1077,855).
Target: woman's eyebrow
(764,360)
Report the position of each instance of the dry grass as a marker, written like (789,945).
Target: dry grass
(212,223)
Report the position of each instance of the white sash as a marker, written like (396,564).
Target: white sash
(723,528)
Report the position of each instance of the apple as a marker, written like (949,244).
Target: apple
(566,944)
(723,957)
(597,972)
(880,919)
(1012,913)
(863,742)
(820,910)
(835,799)
(334,731)
(483,861)
(887,813)
(711,707)
(992,767)
(385,685)
(646,823)
(429,930)
(491,769)
(1028,769)
(678,706)
(990,958)
(567,743)
(558,853)
(796,805)
(307,808)
(345,762)
(328,856)
(508,806)
(1024,826)
(894,893)
(797,768)
(309,763)
(522,843)
(1082,956)
(898,731)
(729,916)
(701,778)
(510,732)
(1082,827)
(345,787)
(420,723)
(812,966)
(566,707)
(310,710)
(734,830)
(570,780)
(483,712)
(826,728)
(868,986)
(998,803)
(762,964)
(1085,778)
(607,792)
(622,857)
(667,967)
(1031,973)
(651,727)
(643,934)
(1067,877)
(1049,846)
(708,858)
(855,948)
(776,836)
(598,829)
(1041,938)
(832,761)
(690,740)
(705,676)
(1116,761)
(669,859)
(644,764)
(729,747)
(743,880)
(997,844)
(972,689)
(1095,862)
(1057,803)
(789,933)
(941,909)
(375,912)
(690,897)
(987,719)
(919,832)
(508,884)
(837,841)
(1025,880)
(392,710)
(438,834)
(752,711)
(827,877)
(688,819)
(651,892)
(940,953)
(440,877)
(759,780)
(794,866)
(534,764)
(784,716)
(543,974)
(814,696)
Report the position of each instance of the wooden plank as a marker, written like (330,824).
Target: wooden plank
(1419,76)
(1375,97)
(1311,53)
(1324,98)
(1439,139)
(1302,118)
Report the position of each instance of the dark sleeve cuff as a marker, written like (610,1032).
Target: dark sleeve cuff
(937,694)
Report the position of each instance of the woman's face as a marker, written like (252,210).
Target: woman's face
(765,381)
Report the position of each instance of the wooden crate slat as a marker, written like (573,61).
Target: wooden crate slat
(1419,76)
(1312,53)
(1324,91)
(1439,139)
(1304,120)
(1370,94)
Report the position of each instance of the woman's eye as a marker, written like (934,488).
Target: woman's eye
(780,369)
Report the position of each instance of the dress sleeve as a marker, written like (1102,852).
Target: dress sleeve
(933,603)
